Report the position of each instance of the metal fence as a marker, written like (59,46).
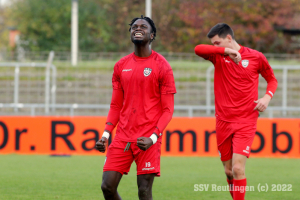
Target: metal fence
(90,56)
(87,91)
(48,93)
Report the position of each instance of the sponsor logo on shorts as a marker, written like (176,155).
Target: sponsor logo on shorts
(247,149)
(219,153)
(148,168)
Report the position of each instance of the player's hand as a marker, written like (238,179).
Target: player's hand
(102,144)
(144,143)
(262,103)
(234,55)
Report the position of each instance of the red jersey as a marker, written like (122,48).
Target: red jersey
(143,81)
(236,85)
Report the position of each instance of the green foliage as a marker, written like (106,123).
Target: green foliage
(181,24)
(253,21)
(47,24)
(44,24)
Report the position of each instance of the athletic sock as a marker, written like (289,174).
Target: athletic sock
(230,184)
(239,189)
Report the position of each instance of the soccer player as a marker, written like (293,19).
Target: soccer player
(142,105)
(237,70)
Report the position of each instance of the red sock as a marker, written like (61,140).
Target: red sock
(239,189)
(230,183)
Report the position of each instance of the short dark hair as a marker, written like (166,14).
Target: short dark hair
(220,29)
(149,20)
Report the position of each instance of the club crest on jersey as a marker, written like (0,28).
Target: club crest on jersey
(245,63)
(147,71)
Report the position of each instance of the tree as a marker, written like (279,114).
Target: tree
(252,21)
(47,24)
(181,24)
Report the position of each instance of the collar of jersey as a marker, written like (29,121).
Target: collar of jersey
(136,58)
(241,49)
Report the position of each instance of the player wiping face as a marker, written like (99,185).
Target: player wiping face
(227,43)
(236,119)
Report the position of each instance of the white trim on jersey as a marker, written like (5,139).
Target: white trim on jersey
(271,93)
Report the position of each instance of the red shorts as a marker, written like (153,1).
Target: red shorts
(147,162)
(233,137)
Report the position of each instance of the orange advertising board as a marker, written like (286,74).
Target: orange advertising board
(182,137)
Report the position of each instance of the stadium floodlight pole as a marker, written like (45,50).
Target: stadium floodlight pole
(47,81)
(74,33)
(148,9)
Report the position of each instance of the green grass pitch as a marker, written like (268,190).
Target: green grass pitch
(79,177)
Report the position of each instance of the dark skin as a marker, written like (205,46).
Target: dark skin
(141,36)
(142,27)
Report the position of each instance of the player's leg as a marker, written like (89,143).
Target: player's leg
(238,166)
(239,178)
(241,143)
(110,182)
(145,182)
(225,150)
(228,171)
(224,141)
(148,166)
(117,163)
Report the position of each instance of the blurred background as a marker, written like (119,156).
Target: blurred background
(56,64)
(87,37)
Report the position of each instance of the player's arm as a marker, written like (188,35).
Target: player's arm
(167,101)
(208,51)
(267,72)
(114,111)
(112,119)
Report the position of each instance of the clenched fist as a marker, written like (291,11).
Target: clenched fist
(102,144)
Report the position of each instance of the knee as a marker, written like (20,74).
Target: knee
(228,173)
(107,189)
(238,170)
(145,192)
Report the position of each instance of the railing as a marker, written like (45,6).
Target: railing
(49,93)
(190,109)
(88,56)
(72,107)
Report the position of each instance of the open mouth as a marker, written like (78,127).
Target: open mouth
(138,34)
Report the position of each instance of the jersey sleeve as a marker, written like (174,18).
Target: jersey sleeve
(116,100)
(114,111)
(267,72)
(209,52)
(166,79)
(167,103)
(116,81)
